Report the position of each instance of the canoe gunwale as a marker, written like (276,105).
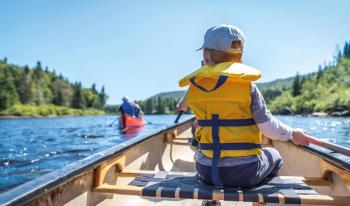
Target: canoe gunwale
(330,156)
(31,190)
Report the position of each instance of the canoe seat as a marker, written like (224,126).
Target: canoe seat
(180,185)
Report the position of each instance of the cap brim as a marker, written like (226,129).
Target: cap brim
(200,48)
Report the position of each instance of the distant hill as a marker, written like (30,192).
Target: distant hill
(175,95)
(278,83)
(285,83)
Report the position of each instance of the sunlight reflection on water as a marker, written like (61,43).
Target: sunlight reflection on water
(31,147)
(333,129)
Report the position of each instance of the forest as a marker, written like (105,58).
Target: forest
(160,104)
(38,91)
(326,91)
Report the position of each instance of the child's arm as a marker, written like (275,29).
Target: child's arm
(272,127)
(182,106)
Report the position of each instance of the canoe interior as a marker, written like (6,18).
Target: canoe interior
(73,185)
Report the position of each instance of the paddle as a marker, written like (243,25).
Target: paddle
(178,117)
(113,123)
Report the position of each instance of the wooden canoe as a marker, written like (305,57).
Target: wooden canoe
(314,175)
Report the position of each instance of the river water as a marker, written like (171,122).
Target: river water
(31,147)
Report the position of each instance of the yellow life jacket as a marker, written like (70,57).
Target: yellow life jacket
(219,96)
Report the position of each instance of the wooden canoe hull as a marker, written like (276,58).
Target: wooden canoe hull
(164,150)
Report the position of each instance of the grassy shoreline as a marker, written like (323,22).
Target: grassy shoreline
(51,111)
(30,111)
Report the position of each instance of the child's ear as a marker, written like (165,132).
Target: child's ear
(206,55)
(236,44)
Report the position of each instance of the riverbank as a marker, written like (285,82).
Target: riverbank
(345,113)
(30,111)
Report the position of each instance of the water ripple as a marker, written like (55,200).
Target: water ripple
(32,147)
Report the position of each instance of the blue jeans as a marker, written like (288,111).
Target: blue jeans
(246,175)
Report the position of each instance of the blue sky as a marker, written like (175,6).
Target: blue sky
(140,48)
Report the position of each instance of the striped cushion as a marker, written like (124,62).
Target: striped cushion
(189,186)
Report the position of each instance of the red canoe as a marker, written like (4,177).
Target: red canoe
(132,122)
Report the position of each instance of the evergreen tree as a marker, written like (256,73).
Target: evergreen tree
(149,106)
(26,69)
(93,88)
(40,89)
(8,93)
(5,60)
(319,72)
(296,87)
(160,106)
(78,101)
(103,97)
(170,105)
(346,50)
(38,66)
(174,106)
(59,99)
(337,55)
(25,87)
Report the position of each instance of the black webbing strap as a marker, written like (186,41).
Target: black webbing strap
(191,187)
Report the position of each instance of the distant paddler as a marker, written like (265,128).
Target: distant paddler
(130,114)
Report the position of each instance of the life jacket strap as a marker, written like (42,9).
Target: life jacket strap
(216,152)
(219,83)
(215,123)
(226,122)
(230,146)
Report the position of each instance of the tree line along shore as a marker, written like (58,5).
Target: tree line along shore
(36,91)
(325,92)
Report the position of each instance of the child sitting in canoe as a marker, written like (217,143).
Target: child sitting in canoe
(232,115)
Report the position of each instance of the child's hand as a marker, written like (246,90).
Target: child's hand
(300,137)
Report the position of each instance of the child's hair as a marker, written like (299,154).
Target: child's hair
(217,57)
